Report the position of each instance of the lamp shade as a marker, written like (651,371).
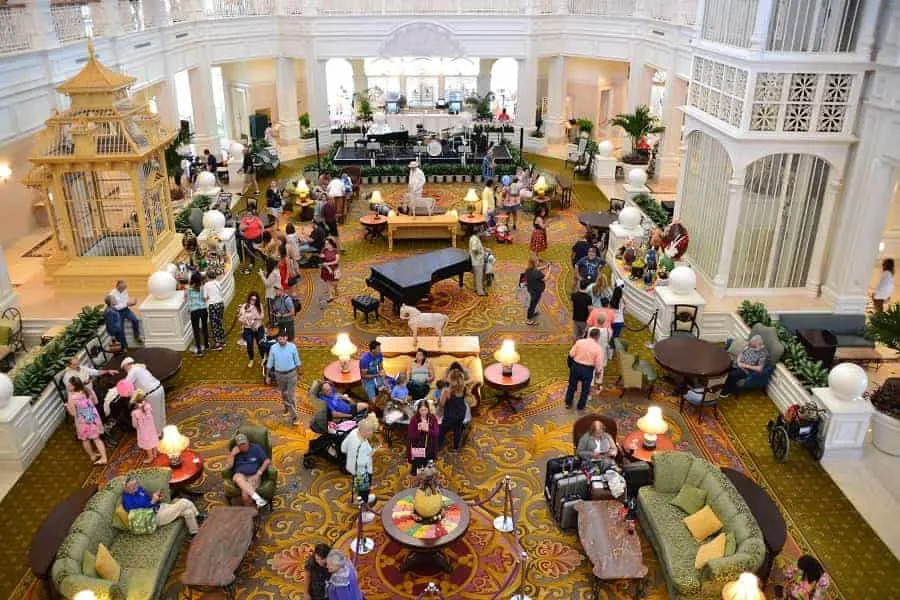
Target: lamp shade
(214,220)
(605,148)
(745,588)
(629,217)
(637,177)
(540,186)
(472,196)
(85,595)
(848,381)
(161,285)
(682,280)
(6,390)
(653,422)
(5,171)
(173,444)
(376,198)
(343,348)
(206,181)
(507,354)
(302,188)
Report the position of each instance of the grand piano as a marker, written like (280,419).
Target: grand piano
(408,280)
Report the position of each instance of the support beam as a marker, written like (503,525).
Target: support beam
(360,82)
(44,33)
(735,194)
(286,97)
(673,118)
(823,233)
(204,108)
(556,93)
(526,95)
(483,85)
(317,98)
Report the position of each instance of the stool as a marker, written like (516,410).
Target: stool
(222,175)
(366,304)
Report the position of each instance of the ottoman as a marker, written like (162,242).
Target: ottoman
(366,304)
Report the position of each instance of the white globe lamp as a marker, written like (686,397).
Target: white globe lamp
(214,220)
(605,148)
(236,149)
(637,177)
(629,217)
(6,390)
(206,181)
(682,280)
(161,285)
(847,381)
(171,269)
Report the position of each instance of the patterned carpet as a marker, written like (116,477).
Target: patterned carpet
(211,396)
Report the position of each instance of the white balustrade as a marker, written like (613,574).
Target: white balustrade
(184,10)
(72,22)
(292,7)
(241,8)
(602,8)
(15,34)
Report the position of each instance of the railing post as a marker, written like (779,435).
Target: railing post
(760,37)
(44,33)
(107,19)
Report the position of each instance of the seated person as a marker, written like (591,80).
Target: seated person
(249,462)
(135,497)
(399,391)
(315,241)
(588,267)
(274,203)
(597,446)
(752,360)
(340,406)
(807,581)
(580,248)
(371,368)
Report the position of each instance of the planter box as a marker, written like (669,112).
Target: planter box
(886,433)
(535,145)
(467,178)
(306,147)
(439,179)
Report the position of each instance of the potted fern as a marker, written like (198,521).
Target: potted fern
(585,125)
(885,328)
(638,125)
(481,104)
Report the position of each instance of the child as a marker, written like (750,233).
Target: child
(400,393)
(88,426)
(142,420)
(439,386)
(807,581)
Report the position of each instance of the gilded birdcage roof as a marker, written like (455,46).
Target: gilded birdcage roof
(95,78)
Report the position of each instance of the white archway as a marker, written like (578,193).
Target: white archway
(505,84)
(339,87)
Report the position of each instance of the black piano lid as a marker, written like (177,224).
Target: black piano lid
(419,269)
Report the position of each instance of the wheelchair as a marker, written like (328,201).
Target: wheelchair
(801,423)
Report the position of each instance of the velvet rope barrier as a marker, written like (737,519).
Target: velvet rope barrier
(431,591)
(651,324)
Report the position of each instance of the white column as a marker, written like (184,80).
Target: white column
(670,157)
(153,13)
(167,102)
(735,193)
(359,74)
(111,18)
(760,36)
(639,82)
(44,34)
(483,85)
(823,234)
(286,96)
(556,93)
(204,109)
(870,22)
(7,295)
(526,96)
(317,98)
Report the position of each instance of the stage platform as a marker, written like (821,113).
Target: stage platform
(402,155)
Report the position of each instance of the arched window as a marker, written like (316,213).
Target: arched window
(505,83)
(339,87)
(779,218)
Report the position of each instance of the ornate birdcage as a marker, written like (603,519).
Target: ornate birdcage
(102,166)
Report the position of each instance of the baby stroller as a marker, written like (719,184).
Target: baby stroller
(501,231)
(801,423)
(331,434)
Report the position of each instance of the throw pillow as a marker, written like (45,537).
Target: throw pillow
(730,544)
(106,565)
(690,499)
(142,521)
(120,518)
(710,550)
(703,523)
(87,564)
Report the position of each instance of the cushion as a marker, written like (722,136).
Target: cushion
(142,521)
(690,499)
(709,551)
(88,568)
(106,565)
(120,518)
(730,544)
(7,326)
(770,340)
(703,523)
(670,470)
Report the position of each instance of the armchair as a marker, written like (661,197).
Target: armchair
(709,397)
(583,425)
(257,435)
(684,321)
(633,371)
(770,339)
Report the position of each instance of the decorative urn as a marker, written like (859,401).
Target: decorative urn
(428,502)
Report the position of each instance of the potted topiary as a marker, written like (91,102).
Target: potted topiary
(885,328)
(638,125)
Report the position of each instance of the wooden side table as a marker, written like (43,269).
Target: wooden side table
(470,223)
(374,226)
(507,385)
(634,445)
(189,471)
(342,381)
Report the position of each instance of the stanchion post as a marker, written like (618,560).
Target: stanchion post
(318,161)
(505,522)
(361,544)
(520,593)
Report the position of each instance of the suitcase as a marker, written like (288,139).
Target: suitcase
(570,487)
(556,466)
(637,475)
(568,518)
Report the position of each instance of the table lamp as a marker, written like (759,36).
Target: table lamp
(85,595)
(540,186)
(472,199)
(507,356)
(302,189)
(745,588)
(173,444)
(343,348)
(652,424)
(374,200)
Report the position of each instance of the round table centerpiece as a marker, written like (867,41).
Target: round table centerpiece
(428,502)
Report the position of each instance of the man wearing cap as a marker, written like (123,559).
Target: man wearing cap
(284,310)
(142,379)
(248,463)
(284,360)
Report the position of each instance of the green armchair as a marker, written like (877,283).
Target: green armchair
(257,435)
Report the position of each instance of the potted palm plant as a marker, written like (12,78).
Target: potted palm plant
(885,328)
(481,104)
(638,125)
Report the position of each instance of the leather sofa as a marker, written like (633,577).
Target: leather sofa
(674,544)
(145,559)
(440,363)
(848,330)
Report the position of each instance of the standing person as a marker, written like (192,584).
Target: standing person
(142,421)
(487,164)
(250,316)
(512,203)
(603,317)
(274,202)
(588,268)
(617,303)
(249,171)
(422,437)
(371,368)
(211,163)
(885,285)
(141,379)
(343,584)
(113,320)
(250,228)
(533,281)
(586,358)
(358,450)
(453,402)
(488,201)
(420,375)
(598,291)
(284,360)
(215,307)
(88,426)
(476,257)
(271,279)
(317,573)
(248,462)
(415,186)
(196,305)
(85,374)
(538,235)
(284,310)
(581,307)
(331,269)
(123,304)
(329,215)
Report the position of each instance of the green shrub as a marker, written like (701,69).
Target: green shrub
(651,208)
(754,312)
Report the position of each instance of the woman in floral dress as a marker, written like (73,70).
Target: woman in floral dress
(539,235)
(88,426)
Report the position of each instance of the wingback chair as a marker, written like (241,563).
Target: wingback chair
(583,425)
(634,373)
(257,435)
(770,339)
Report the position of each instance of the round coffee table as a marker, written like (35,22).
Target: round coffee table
(425,541)
(162,363)
(634,445)
(690,357)
(189,471)
(374,226)
(506,385)
(342,381)
(471,222)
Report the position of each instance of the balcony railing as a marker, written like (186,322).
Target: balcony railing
(72,22)
(15,31)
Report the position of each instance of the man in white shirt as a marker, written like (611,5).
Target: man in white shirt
(476,257)
(122,304)
(85,373)
(359,452)
(335,188)
(142,379)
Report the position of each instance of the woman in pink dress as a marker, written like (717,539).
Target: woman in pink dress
(331,270)
(88,426)
(142,420)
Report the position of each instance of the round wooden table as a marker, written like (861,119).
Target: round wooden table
(471,222)
(162,363)
(424,551)
(689,357)
(189,471)
(507,385)
(634,445)
(342,381)
(374,226)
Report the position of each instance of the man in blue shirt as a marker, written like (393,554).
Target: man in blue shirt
(588,268)
(135,497)
(284,360)
(248,462)
(284,310)
(371,369)
(113,321)
(340,405)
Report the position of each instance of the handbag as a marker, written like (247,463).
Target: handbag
(419,452)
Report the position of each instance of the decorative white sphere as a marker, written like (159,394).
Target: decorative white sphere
(637,177)
(848,381)
(682,280)
(236,149)
(214,221)
(6,390)
(161,285)
(629,217)
(466,118)
(605,148)
(206,180)
(379,117)
(171,269)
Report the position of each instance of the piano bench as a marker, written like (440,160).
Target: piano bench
(366,304)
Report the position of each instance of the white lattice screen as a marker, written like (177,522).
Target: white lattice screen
(718,89)
(704,198)
(801,102)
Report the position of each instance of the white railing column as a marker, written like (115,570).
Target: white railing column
(735,194)
(765,10)
(107,19)
(44,32)
(286,93)
(823,233)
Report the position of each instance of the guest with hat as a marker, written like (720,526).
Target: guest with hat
(248,462)
(142,379)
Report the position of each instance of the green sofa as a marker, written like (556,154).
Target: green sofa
(145,559)
(674,544)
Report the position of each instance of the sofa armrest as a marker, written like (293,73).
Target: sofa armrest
(728,568)
(102,588)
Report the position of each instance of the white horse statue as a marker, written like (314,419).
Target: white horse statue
(419,320)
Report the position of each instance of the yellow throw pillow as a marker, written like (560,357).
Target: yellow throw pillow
(106,565)
(120,518)
(703,523)
(710,550)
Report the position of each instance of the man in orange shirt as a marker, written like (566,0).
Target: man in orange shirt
(586,357)
(609,317)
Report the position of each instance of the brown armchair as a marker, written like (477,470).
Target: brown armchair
(583,425)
